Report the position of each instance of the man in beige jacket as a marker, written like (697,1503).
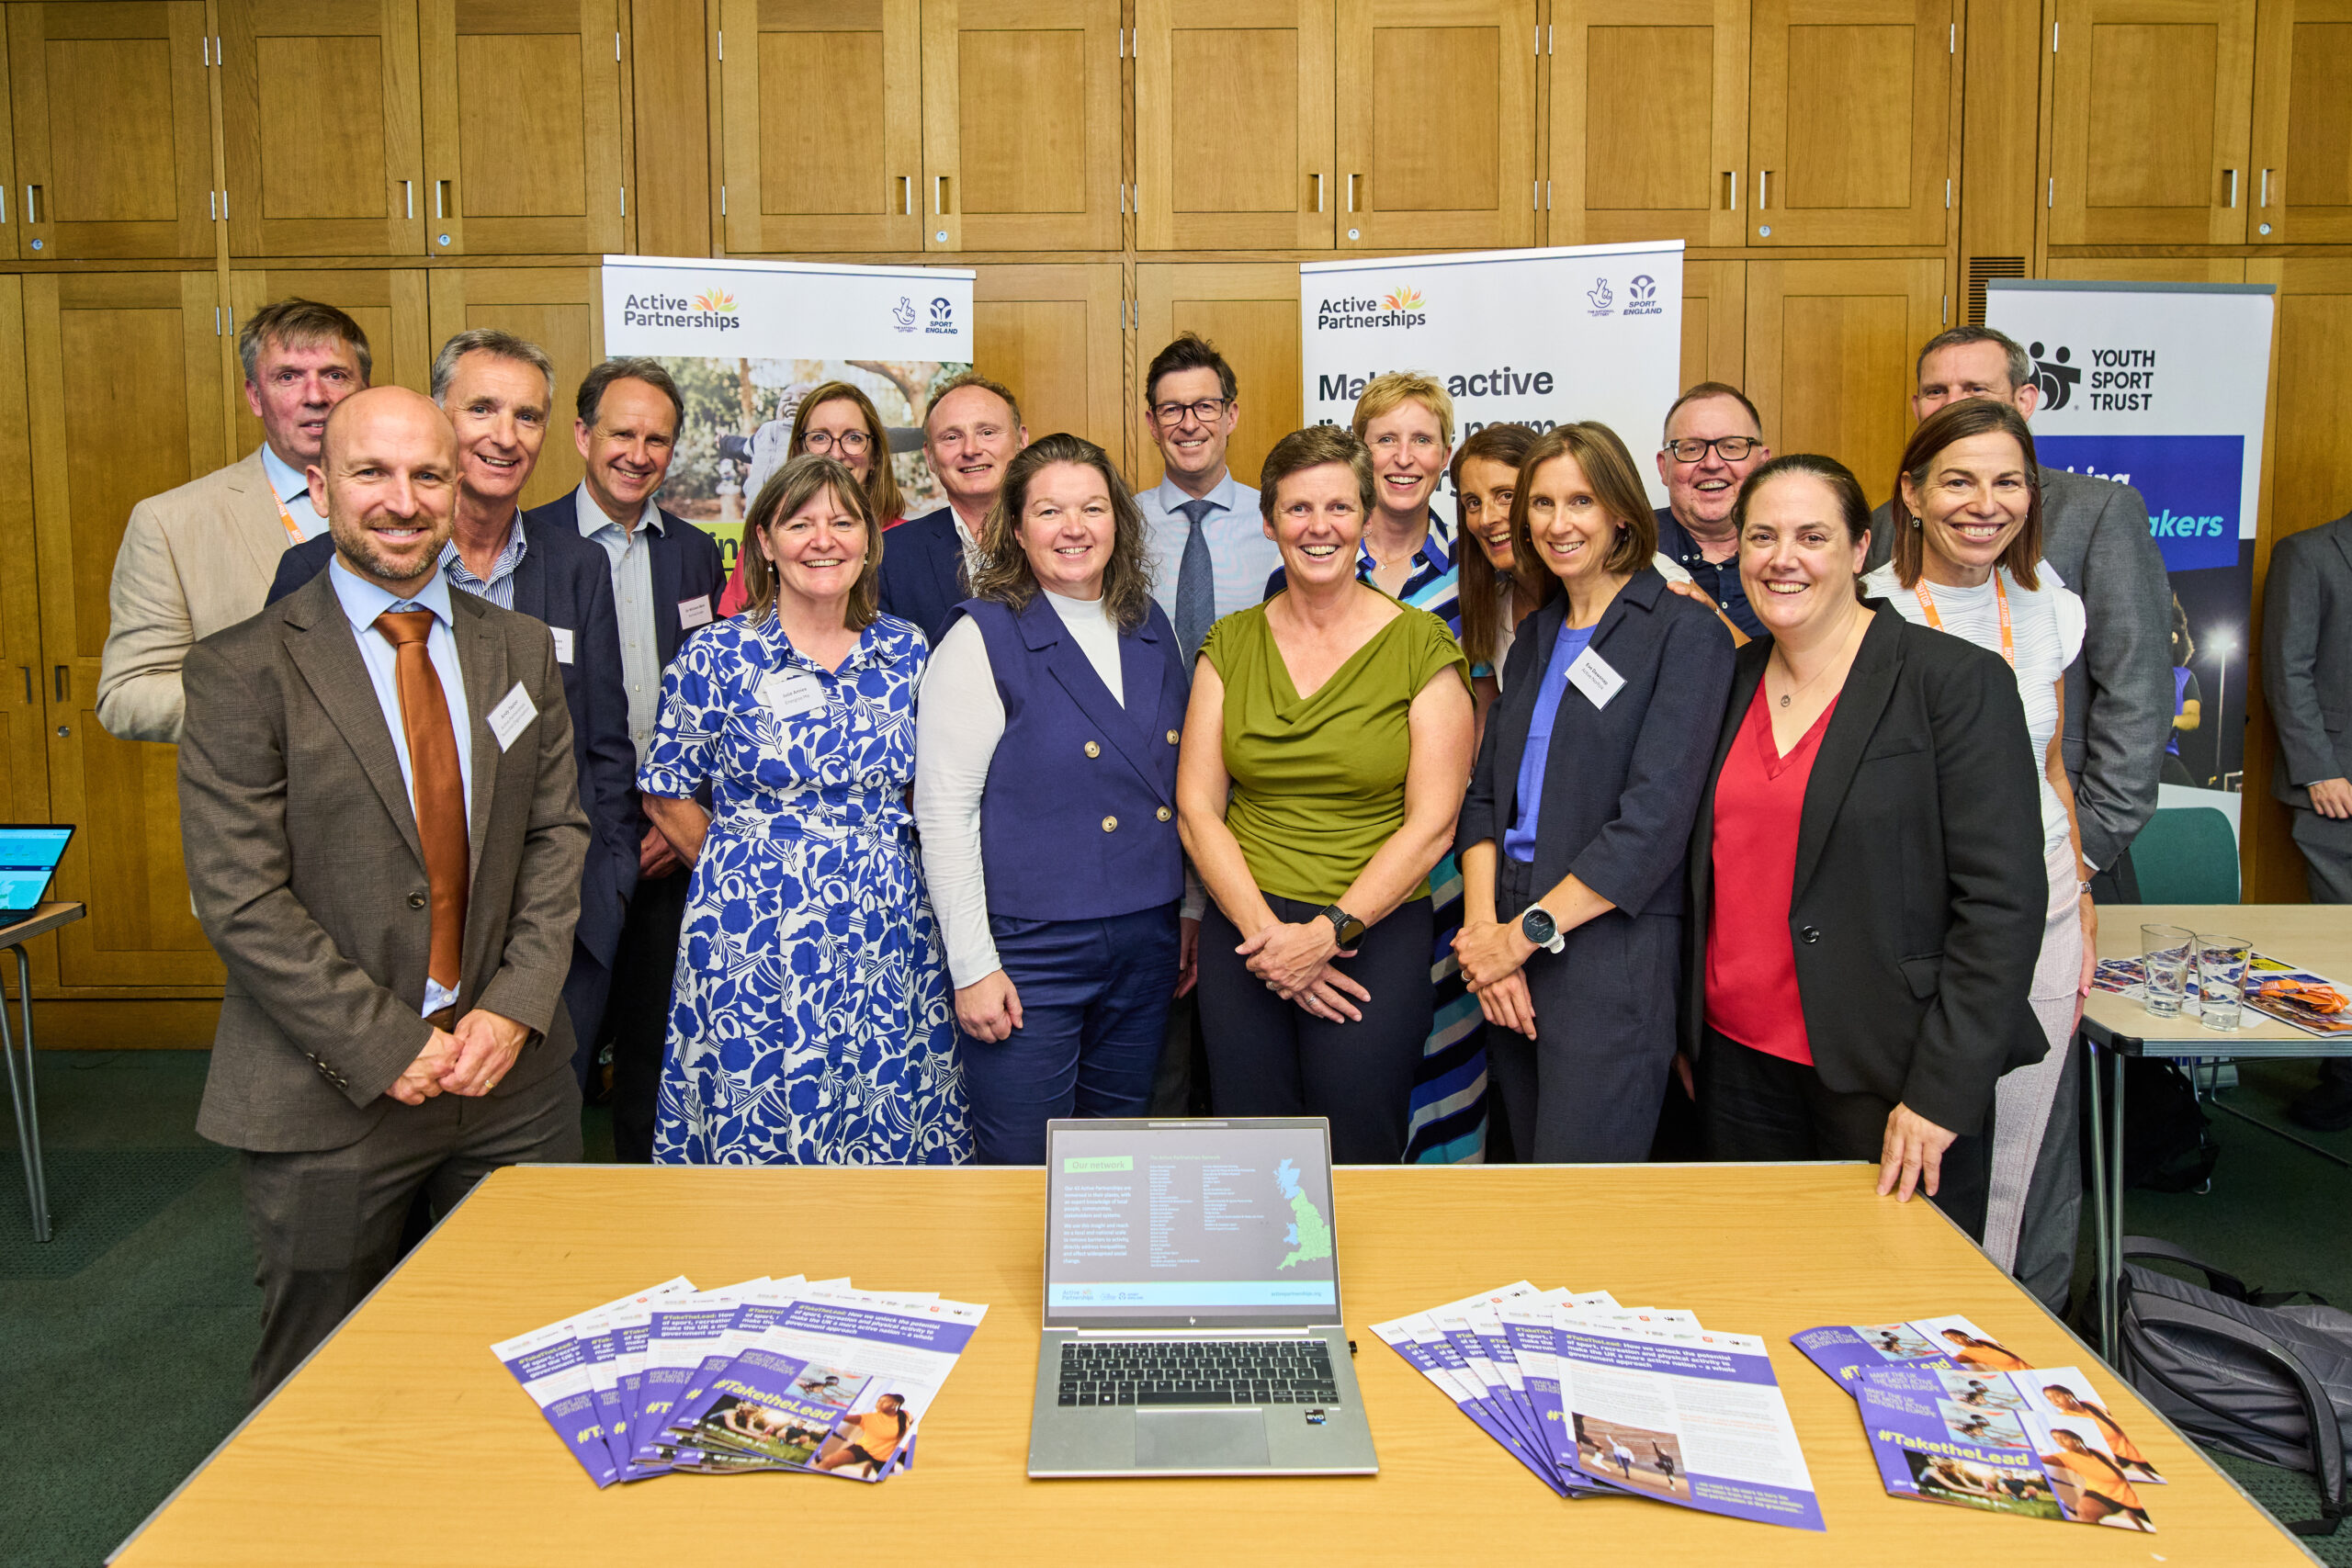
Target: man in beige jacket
(200,557)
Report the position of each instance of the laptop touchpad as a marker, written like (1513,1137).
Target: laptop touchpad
(1200,1440)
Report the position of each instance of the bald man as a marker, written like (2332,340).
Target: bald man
(384,839)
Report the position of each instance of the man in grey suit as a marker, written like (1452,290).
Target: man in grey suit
(384,839)
(2095,533)
(2307,676)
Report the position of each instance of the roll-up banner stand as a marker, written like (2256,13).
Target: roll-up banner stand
(2161,386)
(746,341)
(1536,338)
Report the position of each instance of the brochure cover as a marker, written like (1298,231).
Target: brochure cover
(685,1330)
(889,1362)
(1846,1351)
(2025,1443)
(1418,1341)
(548,1363)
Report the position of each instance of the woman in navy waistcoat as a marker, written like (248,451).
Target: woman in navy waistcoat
(1045,793)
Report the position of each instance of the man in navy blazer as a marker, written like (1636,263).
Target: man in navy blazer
(666,576)
(971,432)
(497,390)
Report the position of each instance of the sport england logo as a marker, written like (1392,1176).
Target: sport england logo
(943,317)
(1641,297)
(902,314)
(2053,376)
(1600,297)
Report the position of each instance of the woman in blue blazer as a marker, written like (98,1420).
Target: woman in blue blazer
(1572,837)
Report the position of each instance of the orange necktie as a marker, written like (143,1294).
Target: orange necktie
(439,788)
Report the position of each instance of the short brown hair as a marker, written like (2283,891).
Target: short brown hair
(1706,389)
(1616,484)
(1190,351)
(1005,574)
(1311,448)
(301,324)
(881,479)
(1954,423)
(2021,365)
(1853,507)
(970,379)
(1481,615)
(590,402)
(1385,394)
(499,344)
(791,488)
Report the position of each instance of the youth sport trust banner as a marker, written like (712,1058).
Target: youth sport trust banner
(2161,386)
(1536,338)
(746,341)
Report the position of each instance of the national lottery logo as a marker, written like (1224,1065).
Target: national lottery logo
(1602,301)
(943,316)
(1641,297)
(903,314)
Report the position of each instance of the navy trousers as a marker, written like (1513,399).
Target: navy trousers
(1094,998)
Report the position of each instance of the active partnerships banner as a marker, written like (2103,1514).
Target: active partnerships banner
(746,341)
(1537,337)
(2161,386)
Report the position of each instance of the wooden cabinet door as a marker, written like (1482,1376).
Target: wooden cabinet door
(1715,322)
(1234,110)
(561,308)
(1250,311)
(2300,189)
(1830,353)
(1021,125)
(803,176)
(2150,109)
(320,108)
(123,372)
(112,113)
(1648,120)
(521,126)
(1850,119)
(1052,335)
(24,753)
(389,305)
(1437,123)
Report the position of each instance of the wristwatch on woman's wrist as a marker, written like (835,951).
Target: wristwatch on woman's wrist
(1345,928)
(1538,927)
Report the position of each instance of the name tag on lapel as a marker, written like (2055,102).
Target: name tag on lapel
(562,644)
(789,692)
(512,715)
(1590,674)
(694,612)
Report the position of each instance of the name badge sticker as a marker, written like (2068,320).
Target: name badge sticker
(790,693)
(562,644)
(1590,674)
(694,612)
(512,715)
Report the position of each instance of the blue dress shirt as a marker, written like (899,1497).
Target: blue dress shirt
(1519,839)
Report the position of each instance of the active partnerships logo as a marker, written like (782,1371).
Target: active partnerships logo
(1406,297)
(713,308)
(1403,306)
(717,301)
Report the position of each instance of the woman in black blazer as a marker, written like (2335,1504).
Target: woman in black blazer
(1572,836)
(1867,889)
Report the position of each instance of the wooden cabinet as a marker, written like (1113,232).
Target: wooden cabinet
(1250,311)
(112,119)
(1648,120)
(521,126)
(803,170)
(1849,122)
(1021,125)
(321,115)
(2299,187)
(1715,322)
(390,308)
(24,754)
(558,307)
(1830,353)
(1234,108)
(1436,123)
(1052,335)
(122,372)
(2151,101)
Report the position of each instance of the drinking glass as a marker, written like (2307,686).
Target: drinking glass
(2166,952)
(2221,977)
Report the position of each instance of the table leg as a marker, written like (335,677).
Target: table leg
(2102,1285)
(23,1099)
(2114,1262)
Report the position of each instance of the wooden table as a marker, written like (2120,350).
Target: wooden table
(404,1441)
(2317,937)
(22,1097)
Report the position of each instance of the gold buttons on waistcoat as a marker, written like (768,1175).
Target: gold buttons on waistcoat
(1110,824)
(1165,814)
(1172,737)
(1093,750)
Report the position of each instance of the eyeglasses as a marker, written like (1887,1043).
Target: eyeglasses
(825,441)
(1730,448)
(1205,411)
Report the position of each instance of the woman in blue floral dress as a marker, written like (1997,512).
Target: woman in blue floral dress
(810,1022)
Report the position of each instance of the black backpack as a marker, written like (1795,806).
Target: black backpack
(2167,1138)
(2250,1372)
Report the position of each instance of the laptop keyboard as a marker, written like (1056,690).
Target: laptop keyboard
(1208,1371)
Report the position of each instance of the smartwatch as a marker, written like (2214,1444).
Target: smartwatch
(1345,927)
(1538,925)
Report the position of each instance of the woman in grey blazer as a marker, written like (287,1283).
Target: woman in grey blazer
(1572,836)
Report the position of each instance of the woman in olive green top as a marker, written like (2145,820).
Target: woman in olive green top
(1314,819)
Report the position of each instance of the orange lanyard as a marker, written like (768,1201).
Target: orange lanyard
(2001,599)
(292,533)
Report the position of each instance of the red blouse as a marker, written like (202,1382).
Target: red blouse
(1751,964)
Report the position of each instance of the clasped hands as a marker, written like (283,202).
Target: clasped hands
(1493,957)
(470,1061)
(1295,961)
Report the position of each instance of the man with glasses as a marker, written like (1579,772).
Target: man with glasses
(971,432)
(1210,554)
(1713,441)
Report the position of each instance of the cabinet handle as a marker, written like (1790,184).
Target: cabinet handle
(33,204)
(408,198)
(2265,194)
(2232,176)
(1763,189)
(1352,193)
(906,196)
(28,671)
(1316,177)
(64,683)
(1733,176)
(939,194)
(443,203)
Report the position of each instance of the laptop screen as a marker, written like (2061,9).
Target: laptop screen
(29,857)
(1190,1223)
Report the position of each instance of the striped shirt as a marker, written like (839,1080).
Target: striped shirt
(499,586)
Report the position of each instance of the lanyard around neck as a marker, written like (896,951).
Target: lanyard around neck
(2001,600)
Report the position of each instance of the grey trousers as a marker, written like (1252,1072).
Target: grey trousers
(2326,845)
(326,1223)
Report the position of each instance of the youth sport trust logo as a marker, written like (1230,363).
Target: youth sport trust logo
(2053,376)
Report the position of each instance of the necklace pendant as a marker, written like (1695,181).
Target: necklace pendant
(1784,699)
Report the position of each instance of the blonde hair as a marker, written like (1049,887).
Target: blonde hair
(881,480)
(793,487)
(1616,484)
(1385,394)
(1004,574)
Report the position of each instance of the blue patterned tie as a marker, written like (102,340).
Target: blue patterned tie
(1195,582)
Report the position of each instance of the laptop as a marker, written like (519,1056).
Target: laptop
(1193,1321)
(29,855)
